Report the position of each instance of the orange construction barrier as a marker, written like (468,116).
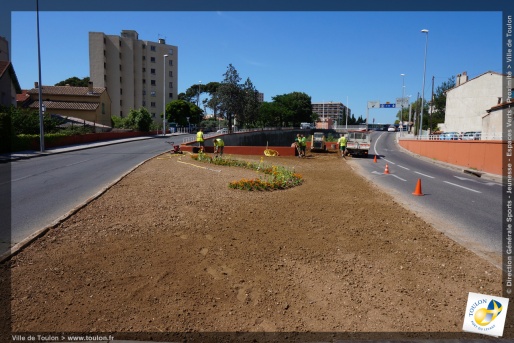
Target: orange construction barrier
(418,191)
(375,159)
(386,171)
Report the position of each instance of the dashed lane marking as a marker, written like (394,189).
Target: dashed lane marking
(424,175)
(396,176)
(456,185)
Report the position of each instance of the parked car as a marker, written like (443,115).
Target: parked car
(449,136)
(471,135)
(391,128)
(223,131)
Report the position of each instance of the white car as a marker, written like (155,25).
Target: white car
(223,131)
(391,128)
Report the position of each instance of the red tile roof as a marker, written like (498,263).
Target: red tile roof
(66,105)
(68,90)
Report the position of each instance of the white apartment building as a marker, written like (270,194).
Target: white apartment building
(330,110)
(468,103)
(136,73)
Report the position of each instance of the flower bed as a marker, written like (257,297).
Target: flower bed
(274,177)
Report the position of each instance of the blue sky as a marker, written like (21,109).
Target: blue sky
(349,57)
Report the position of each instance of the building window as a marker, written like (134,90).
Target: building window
(105,77)
(152,47)
(103,108)
(119,43)
(144,92)
(120,55)
(121,90)
(171,84)
(170,73)
(105,54)
(121,80)
(144,103)
(152,93)
(152,59)
(152,82)
(152,104)
(153,114)
(105,41)
(170,52)
(170,62)
(144,46)
(121,102)
(144,58)
(152,71)
(120,67)
(144,70)
(144,81)
(170,95)
(121,114)
(105,65)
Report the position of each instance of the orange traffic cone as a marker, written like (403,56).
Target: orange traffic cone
(375,159)
(417,191)
(386,171)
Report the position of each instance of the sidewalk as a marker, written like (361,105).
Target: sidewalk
(20,155)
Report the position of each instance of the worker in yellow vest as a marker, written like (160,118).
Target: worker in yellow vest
(218,146)
(303,145)
(342,144)
(199,138)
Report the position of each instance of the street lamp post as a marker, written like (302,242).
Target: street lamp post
(40,87)
(403,97)
(164,96)
(199,91)
(423,88)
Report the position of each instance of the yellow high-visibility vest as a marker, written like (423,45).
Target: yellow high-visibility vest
(199,136)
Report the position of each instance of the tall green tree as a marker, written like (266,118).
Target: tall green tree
(299,107)
(251,105)
(140,120)
(438,104)
(180,110)
(230,95)
(75,81)
(272,114)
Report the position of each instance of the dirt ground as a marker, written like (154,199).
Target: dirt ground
(170,248)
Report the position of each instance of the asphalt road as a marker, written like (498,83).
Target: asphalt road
(463,206)
(46,188)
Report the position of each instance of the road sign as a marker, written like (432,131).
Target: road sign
(402,102)
(387,105)
(373,104)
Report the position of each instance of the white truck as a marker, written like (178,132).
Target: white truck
(358,142)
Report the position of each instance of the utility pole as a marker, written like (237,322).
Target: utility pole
(431,106)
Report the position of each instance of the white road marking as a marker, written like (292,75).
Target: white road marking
(424,175)
(389,161)
(403,167)
(396,176)
(476,181)
(469,189)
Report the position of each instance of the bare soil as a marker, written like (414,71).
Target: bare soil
(170,248)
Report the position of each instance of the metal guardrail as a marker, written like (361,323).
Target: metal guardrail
(483,137)
(213,134)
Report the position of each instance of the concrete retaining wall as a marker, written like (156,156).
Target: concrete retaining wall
(486,156)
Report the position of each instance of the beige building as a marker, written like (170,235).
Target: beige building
(91,104)
(136,73)
(330,110)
